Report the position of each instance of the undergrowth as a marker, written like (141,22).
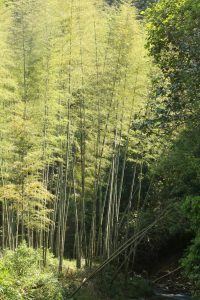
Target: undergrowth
(22,276)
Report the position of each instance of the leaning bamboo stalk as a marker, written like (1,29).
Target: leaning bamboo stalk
(121,249)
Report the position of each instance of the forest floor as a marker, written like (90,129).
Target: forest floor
(168,275)
(168,279)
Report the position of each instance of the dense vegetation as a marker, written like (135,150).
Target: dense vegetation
(22,278)
(100,151)
(173,40)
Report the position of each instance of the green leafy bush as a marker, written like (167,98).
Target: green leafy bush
(122,287)
(191,207)
(22,276)
(191,260)
(22,261)
(191,265)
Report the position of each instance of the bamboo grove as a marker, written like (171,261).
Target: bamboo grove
(74,79)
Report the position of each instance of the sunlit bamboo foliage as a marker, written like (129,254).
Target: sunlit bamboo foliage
(74,76)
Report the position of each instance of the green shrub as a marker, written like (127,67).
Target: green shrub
(191,265)
(88,293)
(7,286)
(191,260)
(22,276)
(119,287)
(191,208)
(22,261)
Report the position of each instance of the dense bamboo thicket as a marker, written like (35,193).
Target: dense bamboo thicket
(74,78)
